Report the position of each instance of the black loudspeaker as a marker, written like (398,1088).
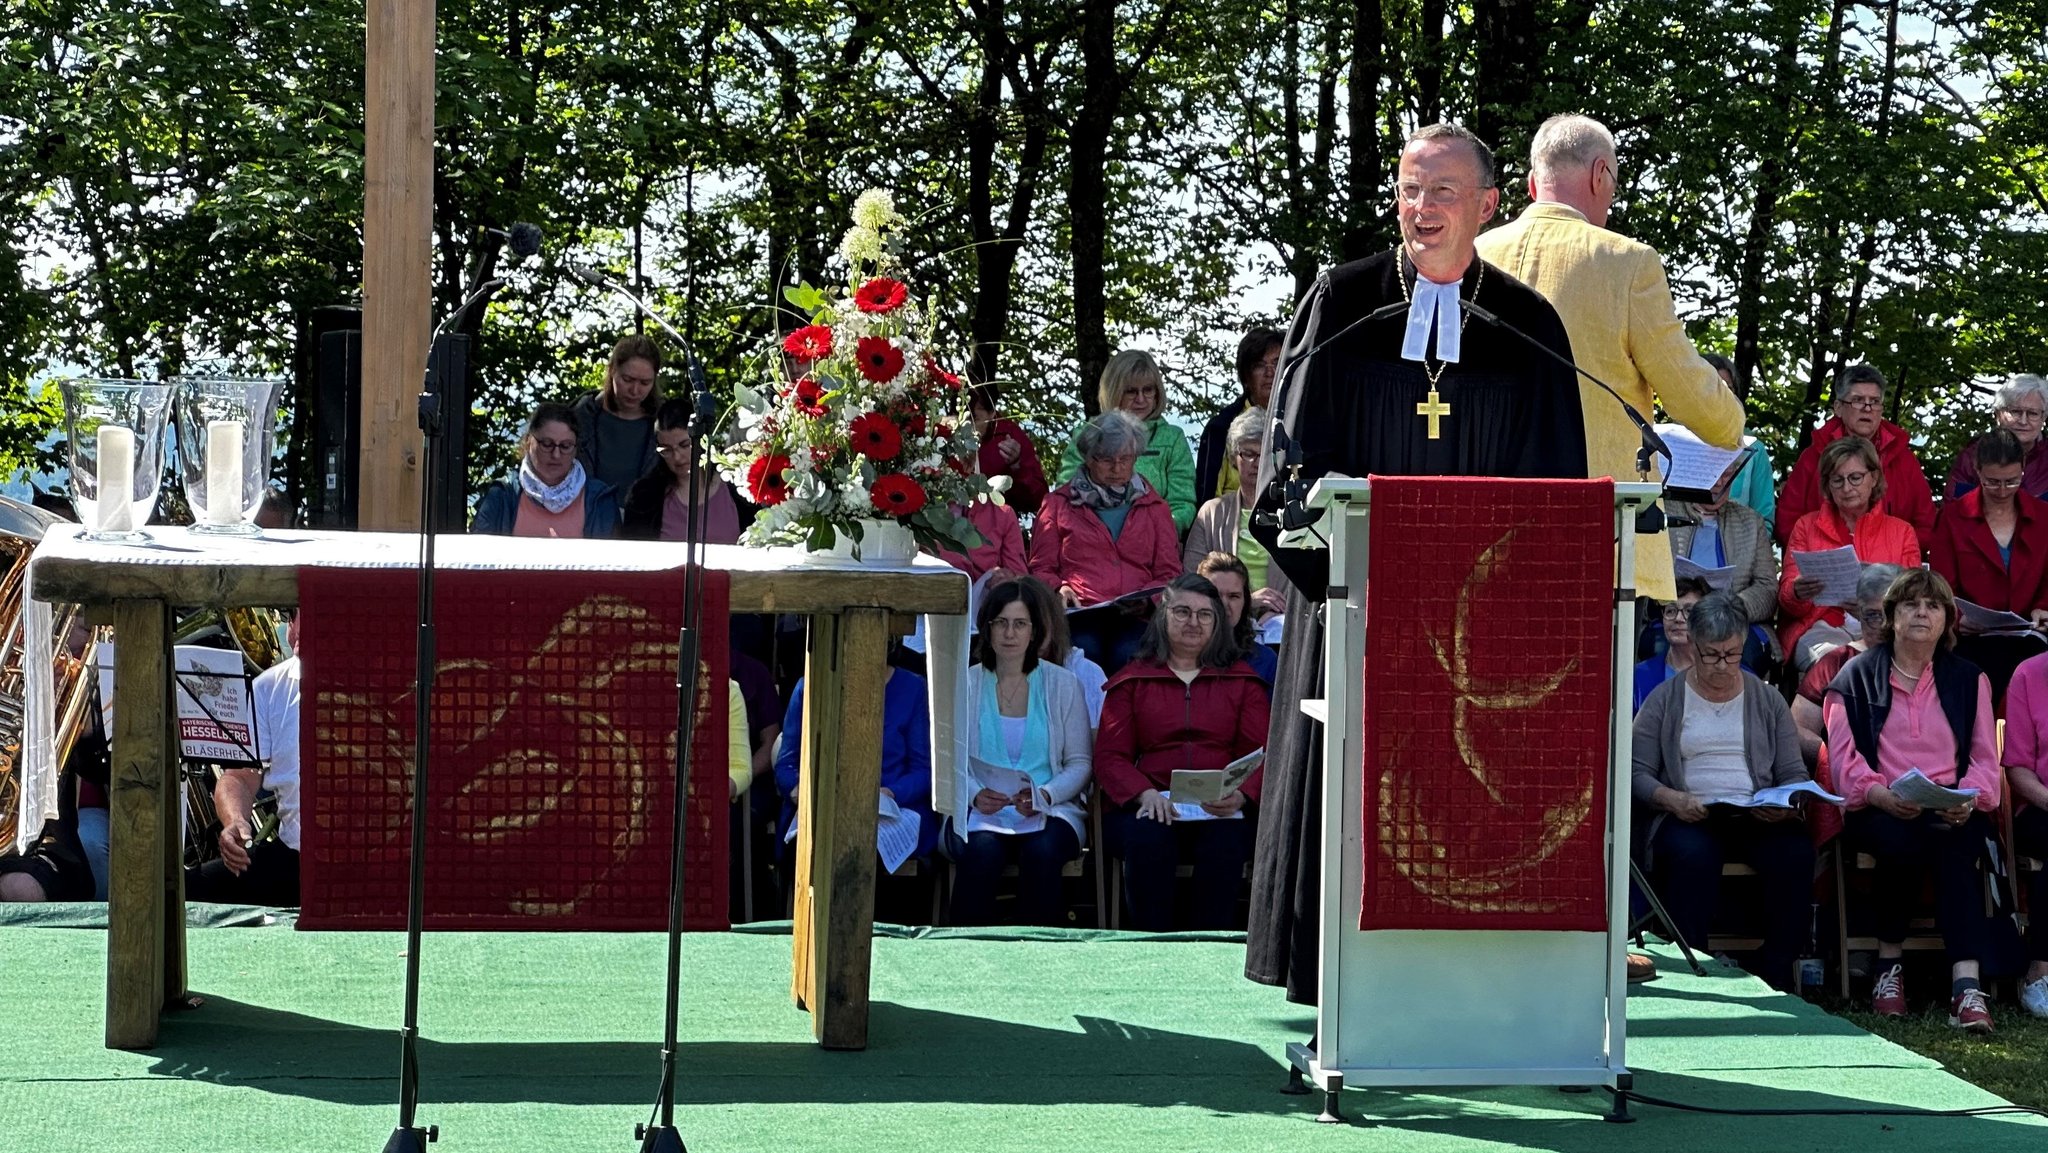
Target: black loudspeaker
(337,427)
(448,378)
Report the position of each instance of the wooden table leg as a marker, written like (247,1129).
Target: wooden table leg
(841,768)
(137,889)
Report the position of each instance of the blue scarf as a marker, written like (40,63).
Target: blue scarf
(1036,761)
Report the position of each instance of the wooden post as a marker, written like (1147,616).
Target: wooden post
(137,960)
(398,222)
(841,766)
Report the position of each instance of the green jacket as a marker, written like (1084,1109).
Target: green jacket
(1167,464)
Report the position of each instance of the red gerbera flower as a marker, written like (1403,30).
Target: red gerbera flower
(811,342)
(880,360)
(877,436)
(896,495)
(914,423)
(881,295)
(765,479)
(938,374)
(809,397)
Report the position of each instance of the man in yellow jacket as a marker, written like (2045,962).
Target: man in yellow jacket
(1616,305)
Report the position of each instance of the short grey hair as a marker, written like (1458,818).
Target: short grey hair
(1111,435)
(1568,143)
(1716,618)
(1875,581)
(2021,386)
(1480,151)
(1248,425)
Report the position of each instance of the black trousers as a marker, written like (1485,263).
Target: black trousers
(978,862)
(1907,853)
(2030,839)
(272,878)
(1151,851)
(1686,861)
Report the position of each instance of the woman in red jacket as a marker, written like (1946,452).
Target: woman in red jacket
(1006,450)
(1104,534)
(1851,513)
(1991,545)
(1186,702)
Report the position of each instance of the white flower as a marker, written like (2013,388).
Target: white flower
(875,210)
(861,245)
(1000,482)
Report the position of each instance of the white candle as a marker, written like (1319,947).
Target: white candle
(224,472)
(115,509)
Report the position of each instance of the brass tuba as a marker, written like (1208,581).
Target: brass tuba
(21,526)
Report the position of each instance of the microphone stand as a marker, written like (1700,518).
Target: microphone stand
(659,1134)
(409,1137)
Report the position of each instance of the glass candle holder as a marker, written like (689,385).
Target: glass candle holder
(224,434)
(116,433)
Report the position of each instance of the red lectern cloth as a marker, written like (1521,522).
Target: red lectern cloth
(1488,696)
(549,790)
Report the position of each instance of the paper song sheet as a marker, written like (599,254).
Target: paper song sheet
(1694,462)
(1915,789)
(895,833)
(1976,620)
(1009,782)
(1837,569)
(1720,579)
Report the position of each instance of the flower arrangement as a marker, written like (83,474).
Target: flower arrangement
(858,421)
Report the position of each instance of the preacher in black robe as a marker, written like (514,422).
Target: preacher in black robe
(1513,412)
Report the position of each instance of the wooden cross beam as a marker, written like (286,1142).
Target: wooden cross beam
(398,222)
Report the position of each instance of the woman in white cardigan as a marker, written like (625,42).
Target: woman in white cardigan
(1030,744)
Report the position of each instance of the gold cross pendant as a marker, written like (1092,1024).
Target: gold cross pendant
(1435,409)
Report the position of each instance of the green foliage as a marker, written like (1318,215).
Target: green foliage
(181,180)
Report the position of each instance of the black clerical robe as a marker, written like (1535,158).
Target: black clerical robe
(1353,409)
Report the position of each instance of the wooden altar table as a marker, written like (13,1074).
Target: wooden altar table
(853,614)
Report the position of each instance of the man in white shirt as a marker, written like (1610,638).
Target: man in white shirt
(248,871)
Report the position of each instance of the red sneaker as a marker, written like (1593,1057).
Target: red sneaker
(1969,1013)
(1888,995)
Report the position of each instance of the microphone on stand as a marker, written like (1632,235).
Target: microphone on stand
(703,405)
(1286,451)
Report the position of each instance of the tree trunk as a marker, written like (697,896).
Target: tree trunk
(1509,54)
(1363,187)
(996,248)
(1429,63)
(1771,178)
(1876,200)
(1087,194)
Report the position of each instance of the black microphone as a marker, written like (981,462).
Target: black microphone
(522,238)
(587,276)
(1285,450)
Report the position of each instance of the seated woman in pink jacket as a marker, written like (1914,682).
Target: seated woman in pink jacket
(1103,534)
(1851,513)
(1910,703)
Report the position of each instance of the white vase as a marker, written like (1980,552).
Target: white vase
(883,543)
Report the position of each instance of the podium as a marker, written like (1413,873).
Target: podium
(1433,1006)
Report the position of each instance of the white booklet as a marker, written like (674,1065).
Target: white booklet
(1212,785)
(1008,782)
(1193,811)
(1916,789)
(1837,569)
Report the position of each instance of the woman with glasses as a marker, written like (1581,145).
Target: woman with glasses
(658,504)
(1225,523)
(1910,704)
(615,423)
(1105,534)
(1678,648)
(551,494)
(1705,743)
(1027,719)
(1813,687)
(1991,545)
(1851,514)
(1186,702)
(2021,409)
(1132,383)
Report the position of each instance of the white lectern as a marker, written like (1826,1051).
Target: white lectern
(1430,1007)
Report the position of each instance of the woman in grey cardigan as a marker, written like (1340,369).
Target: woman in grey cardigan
(1705,743)
(1223,524)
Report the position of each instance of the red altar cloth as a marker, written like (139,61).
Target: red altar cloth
(551,781)
(1488,695)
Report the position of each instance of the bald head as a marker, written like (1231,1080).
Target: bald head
(1571,161)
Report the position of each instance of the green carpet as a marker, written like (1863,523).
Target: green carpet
(548,1041)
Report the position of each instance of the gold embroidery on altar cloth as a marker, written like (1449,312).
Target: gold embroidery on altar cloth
(1403,826)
